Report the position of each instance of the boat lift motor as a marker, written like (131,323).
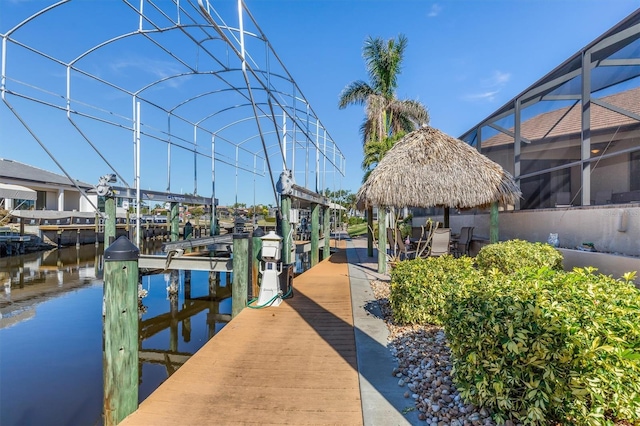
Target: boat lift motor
(270,269)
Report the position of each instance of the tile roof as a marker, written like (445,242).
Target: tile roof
(567,121)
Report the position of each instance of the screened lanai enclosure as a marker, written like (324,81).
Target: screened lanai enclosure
(573,137)
(177,97)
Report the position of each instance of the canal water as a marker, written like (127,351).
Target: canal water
(51,332)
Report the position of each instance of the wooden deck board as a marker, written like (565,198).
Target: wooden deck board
(292,364)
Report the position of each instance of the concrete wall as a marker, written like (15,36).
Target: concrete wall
(612,228)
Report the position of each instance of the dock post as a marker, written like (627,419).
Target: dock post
(326,215)
(97,230)
(382,240)
(120,353)
(315,233)
(285,226)
(256,246)
(214,228)
(175,222)
(240,273)
(110,220)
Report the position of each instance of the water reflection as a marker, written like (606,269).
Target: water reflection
(31,278)
(51,332)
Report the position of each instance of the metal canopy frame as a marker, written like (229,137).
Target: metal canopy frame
(154,91)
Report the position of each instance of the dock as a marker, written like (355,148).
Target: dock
(318,358)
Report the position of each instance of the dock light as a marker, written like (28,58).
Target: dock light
(270,293)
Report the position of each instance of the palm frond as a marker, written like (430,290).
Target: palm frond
(356,93)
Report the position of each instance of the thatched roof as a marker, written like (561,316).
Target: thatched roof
(428,168)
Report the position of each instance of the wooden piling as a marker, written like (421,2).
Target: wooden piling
(315,234)
(240,273)
(326,215)
(120,353)
(285,226)
(110,221)
(256,247)
(175,222)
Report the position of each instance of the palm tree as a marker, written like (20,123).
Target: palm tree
(388,118)
(386,115)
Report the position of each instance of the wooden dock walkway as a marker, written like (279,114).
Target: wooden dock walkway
(292,364)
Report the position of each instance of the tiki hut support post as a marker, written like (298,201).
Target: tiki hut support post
(446,217)
(493,228)
(382,240)
(370,231)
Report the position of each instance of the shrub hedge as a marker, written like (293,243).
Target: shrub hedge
(542,345)
(419,287)
(529,341)
(513,255)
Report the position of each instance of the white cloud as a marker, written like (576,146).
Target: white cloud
(435,10)
(490,96)
(492,85)
(498,78)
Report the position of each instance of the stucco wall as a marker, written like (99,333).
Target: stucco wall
(613,228)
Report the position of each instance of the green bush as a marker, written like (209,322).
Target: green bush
(513,255)
(355,220)
(419,287)
(544,346)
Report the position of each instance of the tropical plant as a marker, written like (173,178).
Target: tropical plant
(386,115)
(388,118)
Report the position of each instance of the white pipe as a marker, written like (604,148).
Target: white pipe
(284,141)
(138,174)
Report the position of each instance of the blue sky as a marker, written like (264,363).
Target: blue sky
(465,59)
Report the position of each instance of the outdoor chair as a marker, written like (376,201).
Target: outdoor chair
(417,232)
(460,243)
(406,252)
(393,248)
(440,242)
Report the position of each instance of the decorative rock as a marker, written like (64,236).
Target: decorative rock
(424,365)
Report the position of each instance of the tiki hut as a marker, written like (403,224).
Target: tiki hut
(428,168)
